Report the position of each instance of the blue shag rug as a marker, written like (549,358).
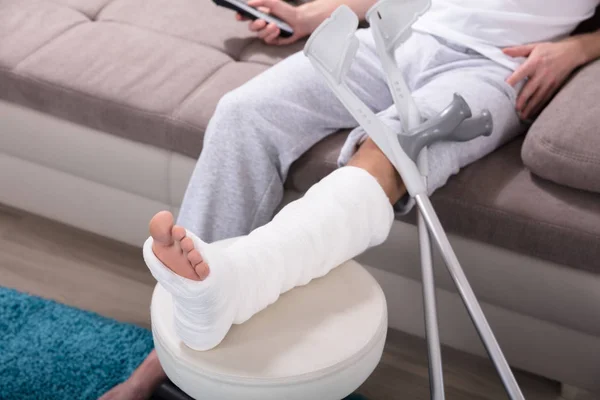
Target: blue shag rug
(50,351)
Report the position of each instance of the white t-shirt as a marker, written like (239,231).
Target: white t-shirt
(488,25)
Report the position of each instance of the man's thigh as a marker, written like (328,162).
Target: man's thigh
(483,87)
(294,91)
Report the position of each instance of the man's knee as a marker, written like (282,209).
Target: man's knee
(234,104)
(237,120)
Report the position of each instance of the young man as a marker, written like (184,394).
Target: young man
(505,56)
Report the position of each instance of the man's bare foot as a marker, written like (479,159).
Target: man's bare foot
(175,250)
(203,311)
(141,384)
(127,391)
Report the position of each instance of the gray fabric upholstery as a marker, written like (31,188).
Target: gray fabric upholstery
(133,68)
(154,74)
(90,8)
(26,27)
(562,144)
(498,201)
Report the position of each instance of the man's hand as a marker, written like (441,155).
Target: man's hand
(304,19)
(293,16)
(547,67)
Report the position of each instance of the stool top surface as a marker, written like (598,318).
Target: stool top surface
(322,326)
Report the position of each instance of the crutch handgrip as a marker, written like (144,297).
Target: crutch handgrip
(472,128)
(454,123)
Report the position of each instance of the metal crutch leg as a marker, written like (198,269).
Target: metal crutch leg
(432,335)
(331,49)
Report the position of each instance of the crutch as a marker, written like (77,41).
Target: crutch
(331,49)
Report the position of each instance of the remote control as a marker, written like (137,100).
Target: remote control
(244,9)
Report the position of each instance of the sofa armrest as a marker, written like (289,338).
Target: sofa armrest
(563,144)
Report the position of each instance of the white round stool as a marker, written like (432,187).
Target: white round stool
(320,341)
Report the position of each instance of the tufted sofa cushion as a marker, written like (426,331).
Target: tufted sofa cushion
(139,69)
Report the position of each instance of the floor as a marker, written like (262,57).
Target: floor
(52,260)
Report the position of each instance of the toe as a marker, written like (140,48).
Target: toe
(187,244)
(194,257)
(199,264)
(161,226)
(178,232)
(202,270)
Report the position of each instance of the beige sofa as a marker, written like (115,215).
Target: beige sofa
(103,105)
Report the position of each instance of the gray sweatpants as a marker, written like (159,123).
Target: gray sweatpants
(261,128)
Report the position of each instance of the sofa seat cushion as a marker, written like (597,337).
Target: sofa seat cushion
(497,200)
(134,68)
